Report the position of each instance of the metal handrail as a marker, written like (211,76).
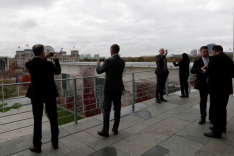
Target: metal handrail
(146,91)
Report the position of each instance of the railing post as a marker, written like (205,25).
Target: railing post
(75,103)
(133,92)
(189,79)
(167,85)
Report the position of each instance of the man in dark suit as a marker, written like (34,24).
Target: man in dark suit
(201,83)
(161,73)
(220,71)
(113,87)
(43,90)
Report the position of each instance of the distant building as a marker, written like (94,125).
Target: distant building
(87,55)
(210,46)
(26,55)
(96,56)
(194,52)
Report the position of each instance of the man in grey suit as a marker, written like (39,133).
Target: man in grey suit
(113,87)
(161,73)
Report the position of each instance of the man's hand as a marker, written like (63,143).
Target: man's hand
(203,69)
(56,56)
(174,60)
(47,55)
(165,54)
(98,61)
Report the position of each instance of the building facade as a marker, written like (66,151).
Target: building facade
(26,55)
(194,52)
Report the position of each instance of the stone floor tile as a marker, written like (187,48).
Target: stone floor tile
(156,151)
(144,114)
(192,110)
(181,146)
(215,146)
(46,150)
(108,151)
(83,151)
(15,145)
(156,119)
(102,143)
(144,140)
(78,140)
(171,153)
(195,132)
(175,123)
(82,125)
(172,112)
(229,150)
(135,128)
(191,117)
(160,108)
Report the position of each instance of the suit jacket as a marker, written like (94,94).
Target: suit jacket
(114,67)
(42,76)
(183,67)
(220,71)
(201,79)
(160,64)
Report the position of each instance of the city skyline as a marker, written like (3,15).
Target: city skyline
(139,28)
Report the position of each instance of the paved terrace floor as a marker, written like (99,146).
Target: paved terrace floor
(166,129)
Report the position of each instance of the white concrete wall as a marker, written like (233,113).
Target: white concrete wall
(76,69)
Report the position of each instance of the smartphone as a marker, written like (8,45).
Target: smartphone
(52,53)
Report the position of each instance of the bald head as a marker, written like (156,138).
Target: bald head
(161,51)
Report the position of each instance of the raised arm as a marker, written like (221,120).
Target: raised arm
(103,68)
(160,58)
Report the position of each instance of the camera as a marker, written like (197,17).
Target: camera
(102,59)
(166,50)
(52,53)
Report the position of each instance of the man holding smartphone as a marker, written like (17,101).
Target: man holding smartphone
(43,90)
(161,73)
(113,87)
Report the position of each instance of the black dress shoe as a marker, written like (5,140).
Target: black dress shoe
(213,135)
(115,131)
(55,146)
(162,99)
(182,96)
(224,131)
(158,101)
(103,134)
(202,121)
(187,96)
(34,149)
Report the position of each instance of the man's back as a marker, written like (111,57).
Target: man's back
(42,75)
(220,73)
(114,68)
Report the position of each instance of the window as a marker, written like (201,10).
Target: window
(65,85)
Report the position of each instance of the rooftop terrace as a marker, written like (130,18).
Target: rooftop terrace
(166,129)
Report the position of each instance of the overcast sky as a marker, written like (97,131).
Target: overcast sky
(92,26)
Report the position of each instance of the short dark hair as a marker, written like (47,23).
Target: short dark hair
(38,49)
(217,48)
(115,48)
(203,47)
